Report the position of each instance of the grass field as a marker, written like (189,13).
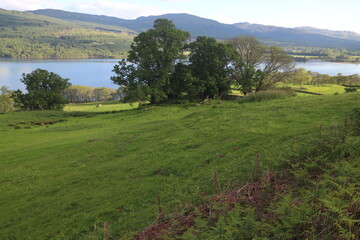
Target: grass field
(62,174)
(99,107)
(324,89)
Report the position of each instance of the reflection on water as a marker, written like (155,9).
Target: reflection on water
(97,72)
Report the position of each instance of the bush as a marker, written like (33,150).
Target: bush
(6,103)
(350,89)
(268,95)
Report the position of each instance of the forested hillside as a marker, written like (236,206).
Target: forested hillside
(25,35)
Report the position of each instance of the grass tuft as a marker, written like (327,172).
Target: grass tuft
(268,95)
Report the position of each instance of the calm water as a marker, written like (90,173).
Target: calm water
(97,72)
(88,72)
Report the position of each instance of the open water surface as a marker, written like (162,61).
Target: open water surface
(97,72)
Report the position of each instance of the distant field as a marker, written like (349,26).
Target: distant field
(325,89)
(62,174)
(99,107)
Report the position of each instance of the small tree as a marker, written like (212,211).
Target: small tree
(146,72)
(6,102)
(257,67)
(299,76)
(44,91)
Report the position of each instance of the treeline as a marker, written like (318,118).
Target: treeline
(77,94)
(302,76)
(24,48)
(340,55)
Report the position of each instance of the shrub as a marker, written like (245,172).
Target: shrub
(268,95)
(350,89)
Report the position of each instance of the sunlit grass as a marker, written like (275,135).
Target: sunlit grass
(325,89)
(99,107)
(58,181)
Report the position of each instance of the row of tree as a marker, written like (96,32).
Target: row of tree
(303,76)
(324,53)
(158,69)
(76,94)
(48,91)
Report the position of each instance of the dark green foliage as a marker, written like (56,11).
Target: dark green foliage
(151,61)
(350,89)
(44,91)
(209,64)
(182,81)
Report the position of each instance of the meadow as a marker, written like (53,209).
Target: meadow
(324,89)
(63,174)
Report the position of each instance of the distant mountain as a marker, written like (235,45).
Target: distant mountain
(298,36)
(337,34)
(198,26)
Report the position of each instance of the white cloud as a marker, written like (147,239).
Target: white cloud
(29,5)
(179,0)
(116,9)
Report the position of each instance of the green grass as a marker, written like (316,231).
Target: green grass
(99,107)
(268,95)
(325,89)
(58,181)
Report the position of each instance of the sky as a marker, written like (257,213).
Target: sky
(328,14)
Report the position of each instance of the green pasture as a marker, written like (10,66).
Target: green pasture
(62,174)
(325,89)
(99,107)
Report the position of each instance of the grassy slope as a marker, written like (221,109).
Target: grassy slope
(61,180)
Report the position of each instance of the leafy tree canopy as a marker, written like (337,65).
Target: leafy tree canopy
(44,91)
(209,63)
(151,60)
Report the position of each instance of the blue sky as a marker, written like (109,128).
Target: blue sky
(329,14)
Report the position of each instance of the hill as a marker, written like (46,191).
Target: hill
(26,35)
(63,174)
(299,36)
(337,34)
(198,26)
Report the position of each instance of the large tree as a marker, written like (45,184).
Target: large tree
(44,91)
(257,67)
(146,71)
(209,64)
